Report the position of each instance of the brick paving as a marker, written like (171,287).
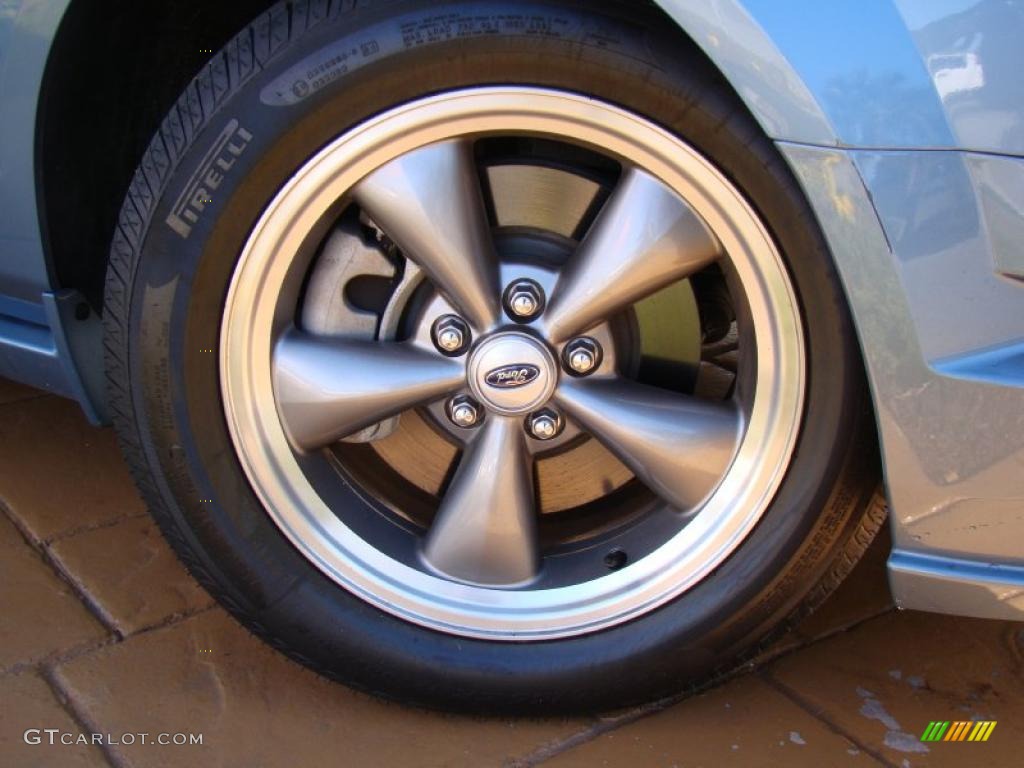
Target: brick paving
(102,631)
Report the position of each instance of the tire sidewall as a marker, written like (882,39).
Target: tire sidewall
(209,510)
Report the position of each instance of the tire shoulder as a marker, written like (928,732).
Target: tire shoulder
(268,36)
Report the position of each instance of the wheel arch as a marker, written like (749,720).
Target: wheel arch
(99,105)
(98,79)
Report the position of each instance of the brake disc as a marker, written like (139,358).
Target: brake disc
(350,252)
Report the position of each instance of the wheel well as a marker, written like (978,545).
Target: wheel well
(114,70)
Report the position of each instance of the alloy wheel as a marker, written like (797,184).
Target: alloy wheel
(513,345)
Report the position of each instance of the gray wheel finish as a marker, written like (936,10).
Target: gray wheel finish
(429,203)
(287,391)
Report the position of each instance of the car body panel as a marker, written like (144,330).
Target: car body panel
(26,31)
(952,445)
(890,74)
(901,120)
(950,585)
(34,340)
(972,52)
(927,245)
(950,226)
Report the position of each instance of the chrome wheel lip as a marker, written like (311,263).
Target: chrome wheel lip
(728,514)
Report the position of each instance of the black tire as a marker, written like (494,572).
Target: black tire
(165,293)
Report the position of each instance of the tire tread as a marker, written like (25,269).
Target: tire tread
(228,71)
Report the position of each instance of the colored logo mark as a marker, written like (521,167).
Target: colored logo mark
(962,730)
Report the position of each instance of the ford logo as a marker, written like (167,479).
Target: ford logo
(511,376)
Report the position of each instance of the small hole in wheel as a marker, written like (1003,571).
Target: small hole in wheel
(615,559)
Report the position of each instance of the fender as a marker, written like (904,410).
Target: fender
(901,127)
(882,74)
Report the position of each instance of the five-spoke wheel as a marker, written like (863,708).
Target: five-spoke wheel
(490,355)
(515,356)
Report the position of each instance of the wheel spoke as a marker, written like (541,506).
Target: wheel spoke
(644,239)
(679,446)
(329,388)
(429,202)
(485,530)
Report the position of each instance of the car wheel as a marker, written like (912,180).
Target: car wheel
(486,355)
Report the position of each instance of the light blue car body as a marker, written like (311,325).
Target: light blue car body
(903,120)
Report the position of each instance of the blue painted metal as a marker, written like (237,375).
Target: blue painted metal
(1003,365)
(962,417)
(950,585)
(19,309)
(952,444)
(33,340)
(28,354)
(972,51)
(999,187)
(860,63)
(775,92)
(35,349)
(927,243)
(27,28)
(78,340)
(892,74)
(937,212)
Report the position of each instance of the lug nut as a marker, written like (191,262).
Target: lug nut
(523,304)
(545,424)
(449,339)
(464,411)
(451,335)
(524,300)
(582,356)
